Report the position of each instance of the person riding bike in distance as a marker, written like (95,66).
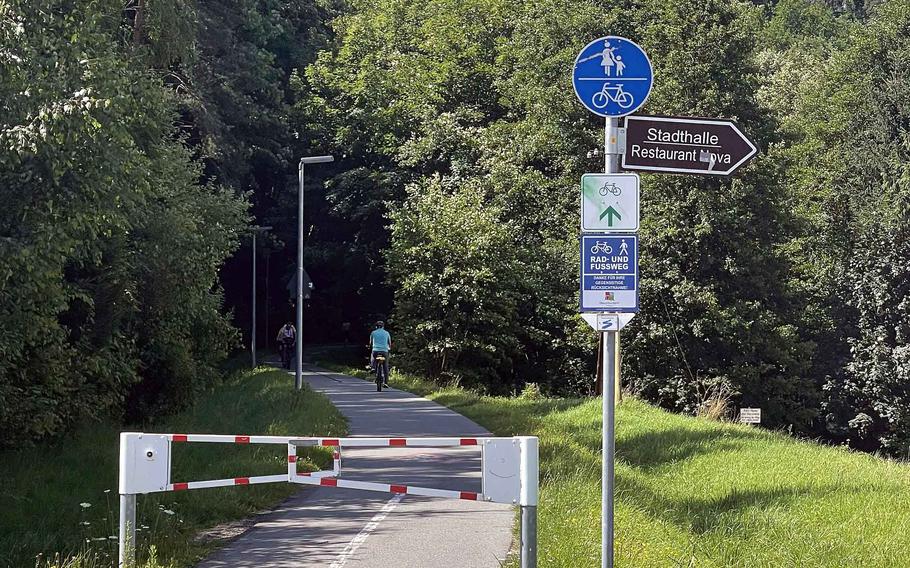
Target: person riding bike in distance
(380,342)
(287,336)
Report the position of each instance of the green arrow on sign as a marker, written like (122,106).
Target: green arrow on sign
(609,213)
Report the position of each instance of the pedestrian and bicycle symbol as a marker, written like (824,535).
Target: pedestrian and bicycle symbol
(603,247)
(609,202)
(612,76)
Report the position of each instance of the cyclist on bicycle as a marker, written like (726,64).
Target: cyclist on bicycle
(287,336)
(380,342)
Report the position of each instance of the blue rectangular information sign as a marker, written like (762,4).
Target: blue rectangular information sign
(609,273)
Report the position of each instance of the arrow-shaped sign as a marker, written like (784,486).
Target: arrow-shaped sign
(609,213)
(685,145)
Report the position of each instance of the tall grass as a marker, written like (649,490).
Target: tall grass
(693,492)
(59,500)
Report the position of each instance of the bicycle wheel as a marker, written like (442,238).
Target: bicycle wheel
(600,100)
(624,100)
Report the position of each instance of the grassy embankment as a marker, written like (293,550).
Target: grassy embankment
(697,493)
(43,487)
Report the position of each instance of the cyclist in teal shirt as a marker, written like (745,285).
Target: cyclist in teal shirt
(380,342)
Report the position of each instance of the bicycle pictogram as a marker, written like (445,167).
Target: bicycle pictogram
(610,188)
(601,246)
(616,94)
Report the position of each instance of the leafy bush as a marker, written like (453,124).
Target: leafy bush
(451,265)
(531,392)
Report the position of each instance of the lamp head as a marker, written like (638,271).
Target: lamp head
(316,159)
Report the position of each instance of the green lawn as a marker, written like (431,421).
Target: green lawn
(44,486)
(693,492)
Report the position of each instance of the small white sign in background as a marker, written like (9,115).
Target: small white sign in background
(609,203)
(750,415)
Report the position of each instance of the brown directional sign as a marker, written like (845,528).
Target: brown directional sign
(685,145)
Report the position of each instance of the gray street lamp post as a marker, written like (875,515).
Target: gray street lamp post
(256,231)
(298,381)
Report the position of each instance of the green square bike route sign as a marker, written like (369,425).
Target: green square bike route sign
(609,203)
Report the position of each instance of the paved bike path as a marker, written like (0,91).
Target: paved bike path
(343,528)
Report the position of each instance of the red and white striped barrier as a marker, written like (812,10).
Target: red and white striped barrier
(509,470)
(327,442)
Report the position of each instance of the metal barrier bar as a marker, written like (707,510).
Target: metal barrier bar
(326,442)
(395,442)
(509,474)
(223,439)
(292,463)
(227,482)
(389,488)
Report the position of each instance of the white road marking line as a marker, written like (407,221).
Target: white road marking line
(371,526)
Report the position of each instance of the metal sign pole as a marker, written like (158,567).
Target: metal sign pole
(618,367)
(612,148)
(253,325)
(612,77)
(126,535)
(608,366)
(298,379)
(609,450)
(612,143)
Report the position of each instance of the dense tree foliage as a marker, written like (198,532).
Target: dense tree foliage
(847,172)
(460,117)
(452,206)
(109,243)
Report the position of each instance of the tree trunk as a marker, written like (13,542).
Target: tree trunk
(139,22)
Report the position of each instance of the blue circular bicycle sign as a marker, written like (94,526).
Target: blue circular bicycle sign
(612,76)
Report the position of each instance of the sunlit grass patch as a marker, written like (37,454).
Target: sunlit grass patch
(692,492)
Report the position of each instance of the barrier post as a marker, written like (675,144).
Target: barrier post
(126,535)
(528,500)
(126,539)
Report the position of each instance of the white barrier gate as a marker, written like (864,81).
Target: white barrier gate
(509,474)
